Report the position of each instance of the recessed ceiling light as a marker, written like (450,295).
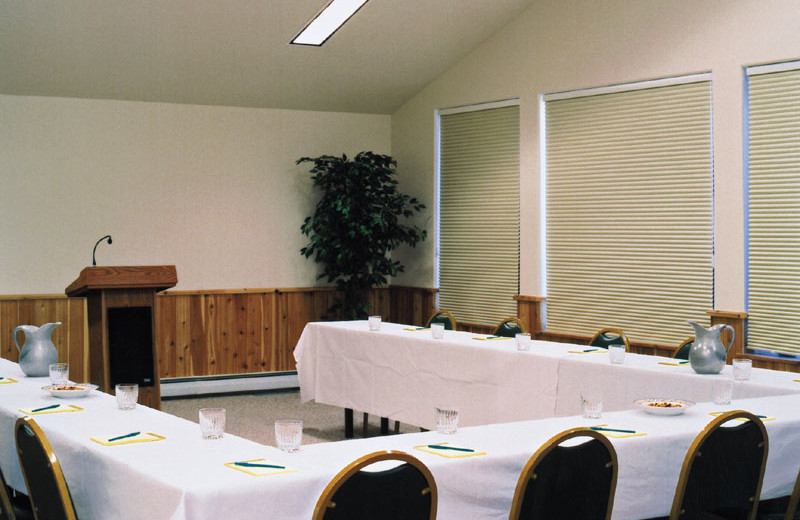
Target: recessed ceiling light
(327,21)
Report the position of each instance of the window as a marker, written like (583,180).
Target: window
(629,222)
(773,220)
(478,239)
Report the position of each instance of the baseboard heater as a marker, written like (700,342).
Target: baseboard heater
(201,385)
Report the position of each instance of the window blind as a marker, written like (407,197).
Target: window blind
(629,226)
(774,209)
(479,213)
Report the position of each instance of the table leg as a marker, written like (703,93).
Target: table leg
(348,423)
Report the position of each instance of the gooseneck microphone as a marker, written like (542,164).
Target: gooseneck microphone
(108,238)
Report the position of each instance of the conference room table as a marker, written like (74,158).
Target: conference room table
(402,373)
(186,477)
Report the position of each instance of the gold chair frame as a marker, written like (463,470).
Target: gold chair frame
(618,332)
(444,312)
(528,472)
(61,484)
(325,500)
(6,510)
(694,452)
(683,344)
(793,501)
(511,319)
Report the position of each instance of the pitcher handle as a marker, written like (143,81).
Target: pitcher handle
(15,336)
(733,336)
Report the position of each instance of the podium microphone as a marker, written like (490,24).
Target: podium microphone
(94,262)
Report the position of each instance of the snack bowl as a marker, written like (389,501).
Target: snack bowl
(70,389)
(658,406)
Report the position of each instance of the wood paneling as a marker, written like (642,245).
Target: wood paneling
(245,331)
(69,338)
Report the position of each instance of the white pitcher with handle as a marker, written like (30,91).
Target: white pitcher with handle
(38,351)
(708,355)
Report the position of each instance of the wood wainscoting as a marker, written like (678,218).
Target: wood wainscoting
(70,338)
(208,333)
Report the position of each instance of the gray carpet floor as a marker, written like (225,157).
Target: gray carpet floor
(253,415)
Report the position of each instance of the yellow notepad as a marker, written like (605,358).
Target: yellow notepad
(588,351)
(674,364)
(140,437)
(448,450)
(490,338)
(259,467)
(762,417)
(56,409)
(7,380)
(417,328)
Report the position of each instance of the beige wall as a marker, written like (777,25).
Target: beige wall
(212,190)
(560,45)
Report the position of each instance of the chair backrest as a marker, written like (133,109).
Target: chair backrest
(568,481)
(444,317)
(606,337)
(723,469)
(791,511)
(682,352)
(6,510)
(404,492)
(47,488)
(509,328)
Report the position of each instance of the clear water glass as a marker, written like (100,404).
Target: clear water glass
(446,419)
(288,434)
(212,422)
(127,394)
(59,373)
(374,322)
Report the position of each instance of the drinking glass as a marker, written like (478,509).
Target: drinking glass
(289,434)
(591,405)
(616,353)
(374,322)
(523,341)
(742,368)
(437,330)
(59,373)
(723,391)
(446,419)
(212,422)
(127,394)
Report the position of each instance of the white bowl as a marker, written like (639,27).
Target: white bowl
(664,406)
(70,389)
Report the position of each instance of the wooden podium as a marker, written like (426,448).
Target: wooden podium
(122,334)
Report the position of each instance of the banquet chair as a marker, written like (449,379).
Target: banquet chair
(564,480)
(509,328)
(403,492)
(723,470)
(784,508)
(13,507)
(682,352)
(606,337)
(47,488)
(444,317)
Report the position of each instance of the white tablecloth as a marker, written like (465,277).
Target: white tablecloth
(184,477)
(403,374)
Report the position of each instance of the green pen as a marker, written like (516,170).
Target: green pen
(46,408)
(440,447)
(134,434)
(254,465)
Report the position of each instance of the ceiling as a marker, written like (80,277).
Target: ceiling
(236,52)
